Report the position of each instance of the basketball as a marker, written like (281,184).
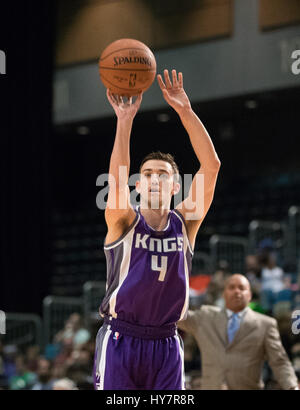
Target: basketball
(127,67)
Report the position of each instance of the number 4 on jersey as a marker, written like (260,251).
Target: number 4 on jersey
(162,269)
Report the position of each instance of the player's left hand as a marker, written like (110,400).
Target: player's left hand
(174,93)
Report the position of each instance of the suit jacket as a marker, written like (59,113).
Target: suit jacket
(240,363)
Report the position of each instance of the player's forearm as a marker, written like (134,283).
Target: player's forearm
(121,152)
(200,139)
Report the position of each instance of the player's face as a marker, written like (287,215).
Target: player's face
(237,293)
(156,185)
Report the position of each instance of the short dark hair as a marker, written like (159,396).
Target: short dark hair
(162,157)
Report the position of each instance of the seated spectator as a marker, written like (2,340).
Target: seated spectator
(253,273)
(272,280)
(32,357)
(73,333)
(80,356)
(23,379)
(59,371)
(45,380)
(10,353)
(81,374)
(72,337)
(214,293)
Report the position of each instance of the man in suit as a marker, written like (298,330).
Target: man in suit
(235,341)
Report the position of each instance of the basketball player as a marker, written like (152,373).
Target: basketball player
(149,251)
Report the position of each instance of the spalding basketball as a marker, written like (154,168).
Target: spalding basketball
(127,67)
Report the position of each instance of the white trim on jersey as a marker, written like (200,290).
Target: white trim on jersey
(124,270)
(181,353)
(117,243)
(186,270)
(184,232)
(102,362)
(187,285)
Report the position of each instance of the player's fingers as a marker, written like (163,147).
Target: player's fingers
(108,94)
(174,78)
(120,99)
(167,79)
(110,97)
(139,98)
(160,82)
(166,95)
(114,98)
(180,80)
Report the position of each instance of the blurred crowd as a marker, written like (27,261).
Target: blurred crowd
(67,363)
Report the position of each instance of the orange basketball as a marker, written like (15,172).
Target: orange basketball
(127,67)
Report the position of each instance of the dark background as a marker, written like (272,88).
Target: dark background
(27,32)
(48,174)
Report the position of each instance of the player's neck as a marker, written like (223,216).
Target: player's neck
(156,218)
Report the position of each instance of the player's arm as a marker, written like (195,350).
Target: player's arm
(119,213)
(196,205)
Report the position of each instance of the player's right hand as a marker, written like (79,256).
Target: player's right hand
(124,109)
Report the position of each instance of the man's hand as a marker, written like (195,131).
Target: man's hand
(174,93)
(124,109)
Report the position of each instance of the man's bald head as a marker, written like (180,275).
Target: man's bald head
(239,277)
(237,292)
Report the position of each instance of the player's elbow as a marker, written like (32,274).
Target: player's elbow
(217,164)
(212,166)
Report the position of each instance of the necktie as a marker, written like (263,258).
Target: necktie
(233,326)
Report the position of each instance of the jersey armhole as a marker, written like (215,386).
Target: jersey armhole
(122,237)
(180,216)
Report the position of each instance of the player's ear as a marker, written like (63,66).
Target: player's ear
(176,188)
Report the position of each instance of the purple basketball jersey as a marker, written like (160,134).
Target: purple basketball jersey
(148,273)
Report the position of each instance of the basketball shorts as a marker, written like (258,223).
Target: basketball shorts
(130,357)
